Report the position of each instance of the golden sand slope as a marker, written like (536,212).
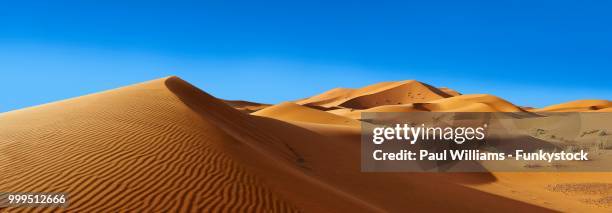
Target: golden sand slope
(160,146)
(165,146)
(569,192)
(385,93)
(330,96)
(356,114)
(289,111)
(584,192)
(246,106)
(577,106)
(331,153)
(138,148)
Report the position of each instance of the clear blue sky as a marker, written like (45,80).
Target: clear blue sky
(529,52)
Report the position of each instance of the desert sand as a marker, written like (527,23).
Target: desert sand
(246,106)
(462,103)
(166,145)
(289,111)
(578,106)
(385,93)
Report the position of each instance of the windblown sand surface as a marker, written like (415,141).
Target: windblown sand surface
(139,148)
(462,103)
(165,145)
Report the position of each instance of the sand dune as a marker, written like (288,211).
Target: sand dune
(166,146)
(289,111)
(471,103)
(324,99)
(138,148)
(577,106)
(462,103)
(385,93)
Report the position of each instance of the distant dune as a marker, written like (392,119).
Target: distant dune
(411,96)
(167,146)
(579,105)
(246,106)
(328,98)
(289,111)
(386,93)
(471,103)
(462,103)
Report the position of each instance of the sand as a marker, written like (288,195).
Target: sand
(385,93)
(461,103)
(578,106)
(246,106)
(449,91)
(289,111)
(327,98)
(138,148)
(165,145)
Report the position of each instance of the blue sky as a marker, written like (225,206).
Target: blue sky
(532,53)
